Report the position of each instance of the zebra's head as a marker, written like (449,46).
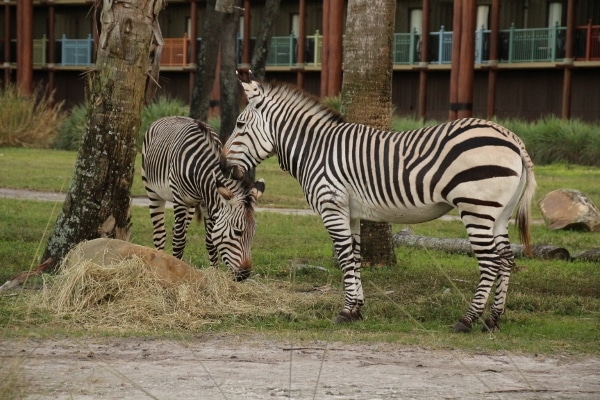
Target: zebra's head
(252,139)
(235,225)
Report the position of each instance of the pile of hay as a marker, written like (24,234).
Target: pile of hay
(127,295)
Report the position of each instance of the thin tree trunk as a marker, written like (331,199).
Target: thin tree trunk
(97,203)
(229,82)
(263,39)
(367,95)
(206,64)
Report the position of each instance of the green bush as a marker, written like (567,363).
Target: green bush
(71,131)
(28,120)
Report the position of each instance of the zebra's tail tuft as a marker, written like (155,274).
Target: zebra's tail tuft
(523,217)
(198,214)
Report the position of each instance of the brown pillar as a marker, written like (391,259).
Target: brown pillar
(493,61)
(325,49)
(301,45)
(467,59)
(51,47)
(568,61)
(422,106)
(455,66)
(336,18)
(246,44)
(193,35)
(6,44)
(25,46)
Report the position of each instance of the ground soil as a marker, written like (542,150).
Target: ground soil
(255,368)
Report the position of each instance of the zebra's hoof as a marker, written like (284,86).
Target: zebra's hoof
(462,326)
(346,316)
(490,325)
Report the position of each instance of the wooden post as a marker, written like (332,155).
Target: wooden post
(455,68)
(325,49)
(25,46)
(51,46)
(193,35)
(464,107)
(6,44)
(423,61)
(301,46)
(336,18)
(568,61)
(493,61)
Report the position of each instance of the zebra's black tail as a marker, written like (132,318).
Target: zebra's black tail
(198,215)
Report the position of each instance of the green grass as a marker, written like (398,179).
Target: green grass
(553,306)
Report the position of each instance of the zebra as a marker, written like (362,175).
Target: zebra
(350,172)
(180,164)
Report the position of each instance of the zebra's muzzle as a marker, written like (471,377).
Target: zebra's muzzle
(241,275)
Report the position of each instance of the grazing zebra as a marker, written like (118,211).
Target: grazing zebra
(180,164)
(350,172)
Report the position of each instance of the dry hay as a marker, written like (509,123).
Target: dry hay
(127,295)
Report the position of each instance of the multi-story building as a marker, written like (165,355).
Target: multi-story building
(527,50)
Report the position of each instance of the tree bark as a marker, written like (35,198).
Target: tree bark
(97,203)
(206,64)
(367,95)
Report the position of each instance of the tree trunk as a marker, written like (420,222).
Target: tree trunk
(206,64)
(98,200)
(230,108)
(263,39)
(367,95)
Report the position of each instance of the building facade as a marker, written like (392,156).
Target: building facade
(526,45)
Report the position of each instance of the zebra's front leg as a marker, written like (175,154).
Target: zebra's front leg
(183,216)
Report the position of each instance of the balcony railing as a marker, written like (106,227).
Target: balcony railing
(514,46)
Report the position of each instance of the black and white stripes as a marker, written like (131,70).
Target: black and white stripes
(351,172)
(180,164)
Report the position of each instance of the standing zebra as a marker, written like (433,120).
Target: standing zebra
(180,163)
(350,172)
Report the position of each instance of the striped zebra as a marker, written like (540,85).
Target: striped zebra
(180,164)
(350,172)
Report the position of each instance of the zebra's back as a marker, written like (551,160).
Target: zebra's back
(179,157)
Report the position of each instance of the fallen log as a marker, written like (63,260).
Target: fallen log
(462,246)
(588,255)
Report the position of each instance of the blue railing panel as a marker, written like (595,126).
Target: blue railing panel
(77,51)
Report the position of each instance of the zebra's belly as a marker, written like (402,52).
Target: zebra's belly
(398,215)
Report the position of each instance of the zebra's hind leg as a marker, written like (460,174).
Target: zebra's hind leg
(183,216)
(157,216)
(507,263)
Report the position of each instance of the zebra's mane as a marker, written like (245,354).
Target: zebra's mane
(286,92)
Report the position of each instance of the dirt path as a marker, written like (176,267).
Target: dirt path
(253,368)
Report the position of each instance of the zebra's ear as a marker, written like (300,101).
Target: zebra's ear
(223,190)
(258,189)
(252,87)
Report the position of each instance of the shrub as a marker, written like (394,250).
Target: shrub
(28,120)
(71,130)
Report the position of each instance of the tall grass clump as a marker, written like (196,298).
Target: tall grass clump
(552,140)
(162,106)
(28,120)
(71,130)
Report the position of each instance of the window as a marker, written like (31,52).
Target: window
(295,24)
(483,14)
